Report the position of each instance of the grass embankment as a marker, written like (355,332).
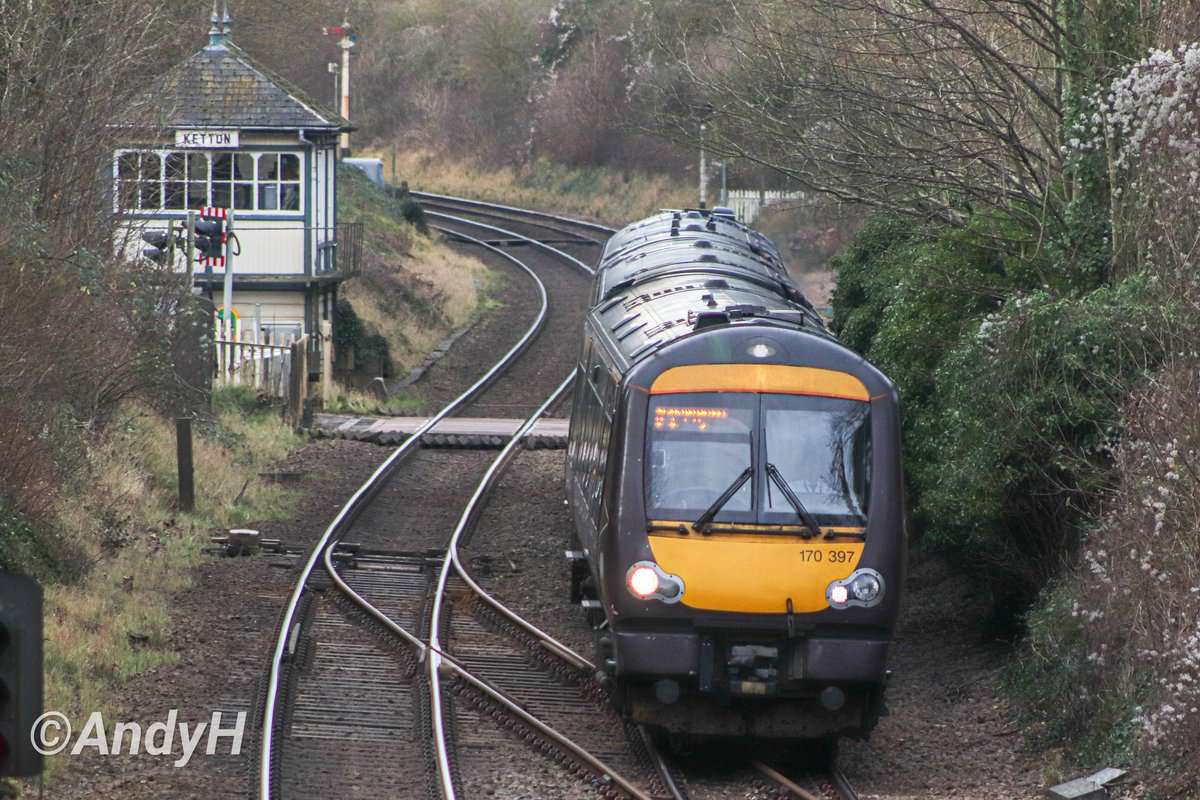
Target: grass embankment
(121,513)
(606,195)
(413,292)
(115,621)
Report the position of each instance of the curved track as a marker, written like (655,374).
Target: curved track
(427,645)
(288,639)
(455,662)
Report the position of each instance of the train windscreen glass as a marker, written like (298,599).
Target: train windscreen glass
(698,444)
(821,447)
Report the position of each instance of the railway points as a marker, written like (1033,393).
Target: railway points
(453,687)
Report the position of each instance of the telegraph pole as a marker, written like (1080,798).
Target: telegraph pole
(346,44)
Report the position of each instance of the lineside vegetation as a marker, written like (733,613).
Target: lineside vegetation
(1028,279)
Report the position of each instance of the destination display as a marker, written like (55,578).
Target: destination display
(694,418)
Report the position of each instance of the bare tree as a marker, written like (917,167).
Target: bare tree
(928,108)
(67,71)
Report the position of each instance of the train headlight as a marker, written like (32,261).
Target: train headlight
(647,581)
(643,581)
(863,588)
(761,347)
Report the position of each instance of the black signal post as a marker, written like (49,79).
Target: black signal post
(20,674)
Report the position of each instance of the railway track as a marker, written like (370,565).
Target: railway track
(342,689)
(516,392)
(548,228)
(396,673)
(717,775)
(317,652)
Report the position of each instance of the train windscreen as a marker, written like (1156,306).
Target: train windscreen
(807,456)
(699,445)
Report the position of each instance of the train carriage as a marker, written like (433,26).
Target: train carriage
(733,473)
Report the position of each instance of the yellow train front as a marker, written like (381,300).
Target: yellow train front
(734,479)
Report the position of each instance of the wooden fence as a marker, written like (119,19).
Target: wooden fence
(276,370)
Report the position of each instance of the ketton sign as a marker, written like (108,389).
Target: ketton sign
(206,139)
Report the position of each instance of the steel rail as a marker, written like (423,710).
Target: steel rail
(576,239)
(786,782)
(467,521)
(437,660)
(349,513)
(592,226)
(504,232)
(469,515)
(451,664)
(661,766)
(843,785)
(840,783)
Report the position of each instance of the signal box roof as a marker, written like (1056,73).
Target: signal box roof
(223,87)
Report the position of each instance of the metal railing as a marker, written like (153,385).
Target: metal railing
(344,250)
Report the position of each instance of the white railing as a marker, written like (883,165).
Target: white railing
(266,368)
(746,203)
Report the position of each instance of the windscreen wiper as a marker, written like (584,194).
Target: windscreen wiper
(707,517)
(808,519)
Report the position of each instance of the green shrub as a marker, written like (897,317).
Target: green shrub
(414,213)
(368,347)
(1016,445)
(1010,383)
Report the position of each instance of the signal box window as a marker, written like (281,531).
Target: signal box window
(279,182)
(138,184)
(185,180)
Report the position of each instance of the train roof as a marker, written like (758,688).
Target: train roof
(636,321)
(712,224)
(677,242)
(679,272)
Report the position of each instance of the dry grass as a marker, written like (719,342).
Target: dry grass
(416,300)
(413,291)
(114,623)
(610,196)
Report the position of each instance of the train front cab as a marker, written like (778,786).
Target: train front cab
(760,519)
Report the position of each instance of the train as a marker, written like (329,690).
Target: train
(734,483)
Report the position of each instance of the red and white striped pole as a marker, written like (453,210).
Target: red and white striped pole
(224,260)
